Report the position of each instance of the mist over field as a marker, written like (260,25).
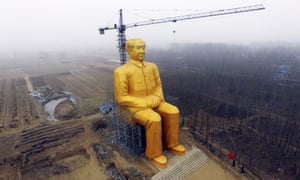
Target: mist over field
(239,98)
(235,79)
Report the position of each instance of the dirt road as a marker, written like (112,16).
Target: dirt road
(28,83)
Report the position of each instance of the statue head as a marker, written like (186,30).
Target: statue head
(136,49)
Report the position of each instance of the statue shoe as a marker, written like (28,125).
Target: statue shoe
(160,161)
(178,150)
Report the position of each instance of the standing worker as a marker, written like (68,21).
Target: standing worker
(138,89)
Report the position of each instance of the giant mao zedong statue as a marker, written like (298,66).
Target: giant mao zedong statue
(138,89)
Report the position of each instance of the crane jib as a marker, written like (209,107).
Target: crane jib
(189,16)
(198,15)
(122,27)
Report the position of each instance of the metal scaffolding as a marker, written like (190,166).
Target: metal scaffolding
(131,137)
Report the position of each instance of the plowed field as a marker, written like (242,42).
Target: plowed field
(17,108)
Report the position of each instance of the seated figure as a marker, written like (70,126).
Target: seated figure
(138,90)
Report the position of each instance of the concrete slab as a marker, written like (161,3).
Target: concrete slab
(181,167)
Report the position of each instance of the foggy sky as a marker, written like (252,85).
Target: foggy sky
(67,24)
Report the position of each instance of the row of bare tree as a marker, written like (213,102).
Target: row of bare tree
(233,102)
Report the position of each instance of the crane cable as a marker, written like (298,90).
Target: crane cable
(113,17)
(135,12)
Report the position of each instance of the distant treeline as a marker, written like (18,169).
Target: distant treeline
(242,98)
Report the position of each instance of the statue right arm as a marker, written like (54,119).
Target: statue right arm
(121,91)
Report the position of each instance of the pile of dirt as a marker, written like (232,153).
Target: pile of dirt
(66,111)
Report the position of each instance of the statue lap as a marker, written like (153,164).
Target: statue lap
(147,115)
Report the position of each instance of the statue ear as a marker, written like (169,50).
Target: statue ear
(128,49)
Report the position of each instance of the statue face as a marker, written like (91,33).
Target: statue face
(137,52)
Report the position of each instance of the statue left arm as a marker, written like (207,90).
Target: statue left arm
(122,96)
(158,89)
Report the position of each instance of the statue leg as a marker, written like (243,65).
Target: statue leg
(170,115)
(152,123)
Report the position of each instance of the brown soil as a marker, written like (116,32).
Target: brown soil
(65,150)
(33,148)
(66,111)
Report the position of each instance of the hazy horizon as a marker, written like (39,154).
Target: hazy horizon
(63,25)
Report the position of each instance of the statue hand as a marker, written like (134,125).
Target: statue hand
(153,101)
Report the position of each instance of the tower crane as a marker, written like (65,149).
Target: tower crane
(121,27)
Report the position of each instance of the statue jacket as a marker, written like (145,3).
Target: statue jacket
(135,81)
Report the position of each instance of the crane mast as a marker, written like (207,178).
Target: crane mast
(122,39)
(122,27)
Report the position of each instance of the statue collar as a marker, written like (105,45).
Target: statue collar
(137,63)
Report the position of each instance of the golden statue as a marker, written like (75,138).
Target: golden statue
(138,89)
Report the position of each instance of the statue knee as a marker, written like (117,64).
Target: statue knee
(168,109)
(172,110)
(147,117)
(153,119)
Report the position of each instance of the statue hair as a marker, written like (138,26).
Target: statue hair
(130,43)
